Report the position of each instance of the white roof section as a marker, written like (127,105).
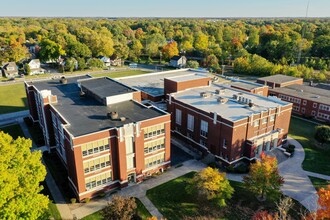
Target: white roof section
(232,109)
(188,77)
(153,83)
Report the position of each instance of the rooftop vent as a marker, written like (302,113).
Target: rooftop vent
(205,94)
(82,93)
(235,97)
(251,104)
(63,80)
(215,79)
(222,100)
(122,119)
(113,115)
(220,91)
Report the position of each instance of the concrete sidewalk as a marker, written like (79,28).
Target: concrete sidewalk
(139,190)
(297,185)
(317,175)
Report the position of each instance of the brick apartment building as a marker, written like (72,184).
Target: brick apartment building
(104,136)
(312,101)
(230,123)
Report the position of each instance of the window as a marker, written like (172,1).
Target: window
(272,118)
(314,105)
(324,107)
(313,113)
(225,143)
(256,123)
(264,120)
(190,135)
(98,180)
(203,142)
(296,108)
(155,160)
(154,130)
(303,110)
(178,115)
(155,145)
(204,128)
(305,102)
(190,122)
(130,162)
(95,147)
(96,164)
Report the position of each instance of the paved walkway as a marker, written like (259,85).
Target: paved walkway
(317,175)
(297,185)
(26,131)
(139,190)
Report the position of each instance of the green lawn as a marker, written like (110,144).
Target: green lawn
(316,160)
(116,74)
(319,183)
(174,202)
(13,130)
(12,98)
(142,212)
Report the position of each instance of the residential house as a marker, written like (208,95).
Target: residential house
(10,70)
(35,67)
(178,61)
(106,60)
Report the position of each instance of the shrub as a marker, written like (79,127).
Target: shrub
(73,200)
(101,195)
(87,200)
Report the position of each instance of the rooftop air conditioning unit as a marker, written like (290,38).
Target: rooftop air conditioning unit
(220,91)
(222,100)
(205,94)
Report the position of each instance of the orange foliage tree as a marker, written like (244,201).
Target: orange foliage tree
(170,50)
(324,203)
(264,178)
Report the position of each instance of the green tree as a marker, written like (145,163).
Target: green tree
(81,63)
(201,42)
(212,62)
(322,134)
(70,64)
(212,185)
(192,64)
(95,63)
(120,208)
(135,51)
(263,178)
(50,51)
(77,49)
(321,46)
(20,175)
(27,69)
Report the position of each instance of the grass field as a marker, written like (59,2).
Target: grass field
(13,130)
(319,183)
(117,74)
(316,159)
(173,201)
(142,212)
(12,98)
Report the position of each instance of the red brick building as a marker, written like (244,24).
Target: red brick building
(231,124)
(309,100)
(104,136)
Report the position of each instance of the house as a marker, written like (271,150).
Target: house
(115,61)
(100,131)
(10,70)
(178,61)
(229,123)
(106,60)
(35,67)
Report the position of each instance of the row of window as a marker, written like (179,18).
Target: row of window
(99,180)
(95,147)
(153,131)
(290,99)
(190,123)
(324,116)
(99,163)
(153,146)
(263,121)
(324,107)
(155,160)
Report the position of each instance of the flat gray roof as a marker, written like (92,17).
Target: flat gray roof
(153,83)
(192,76)
(104,87)
(279,78)
(246,85)
(86,115)
(306,92)
(232,110)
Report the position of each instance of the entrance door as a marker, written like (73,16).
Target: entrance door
(131,178)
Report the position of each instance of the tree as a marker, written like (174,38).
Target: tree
(263,178)
(135,51)
(70,64)
(81,63)
(192,64)
(201,42)
(27,69)
(50,51)
(120,208)
(209,183)
(21,172)
(324,203)
(77,49)
(322,134)
(95,63)
(212,62)
(170,50)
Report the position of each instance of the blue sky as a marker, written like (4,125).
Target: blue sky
(166,8)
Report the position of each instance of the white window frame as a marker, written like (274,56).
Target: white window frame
(190,122)
(305,102)
(314,105)
(204,128)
